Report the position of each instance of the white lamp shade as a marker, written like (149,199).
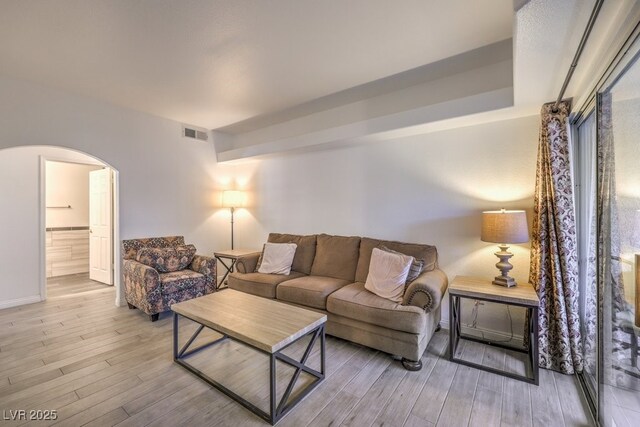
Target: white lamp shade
(504,227)
(232,199)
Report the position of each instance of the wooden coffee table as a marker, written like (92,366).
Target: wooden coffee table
(267,326)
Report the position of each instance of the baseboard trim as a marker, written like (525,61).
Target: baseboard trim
(517,338)
(20,301)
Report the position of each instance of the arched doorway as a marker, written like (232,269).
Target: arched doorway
(23,215)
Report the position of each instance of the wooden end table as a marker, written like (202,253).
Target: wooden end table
(231,255)
(522,295)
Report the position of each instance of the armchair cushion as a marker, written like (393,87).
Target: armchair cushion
(178,280)
(167,259)
(130,247)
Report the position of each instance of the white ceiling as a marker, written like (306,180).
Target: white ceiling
(214,63)
(546,36)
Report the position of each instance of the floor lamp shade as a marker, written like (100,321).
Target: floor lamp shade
(232,199)
(504,227)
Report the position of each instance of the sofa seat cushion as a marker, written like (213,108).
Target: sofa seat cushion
(260,284)
(355,302)
(176,281)
(310,291)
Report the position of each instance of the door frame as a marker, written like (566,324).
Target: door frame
(43,222)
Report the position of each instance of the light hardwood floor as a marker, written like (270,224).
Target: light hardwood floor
(100,365)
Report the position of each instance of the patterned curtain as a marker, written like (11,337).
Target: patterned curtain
(554,260)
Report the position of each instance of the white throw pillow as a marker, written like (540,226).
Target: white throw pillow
(277,258)
(387,274)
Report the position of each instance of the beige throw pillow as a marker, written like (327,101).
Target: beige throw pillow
(277,258)
(387,274)
(416,266)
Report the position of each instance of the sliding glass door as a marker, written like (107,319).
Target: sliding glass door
(618,200)
(585,184)
(607,181)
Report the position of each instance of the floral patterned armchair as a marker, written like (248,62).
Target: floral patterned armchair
(153,288)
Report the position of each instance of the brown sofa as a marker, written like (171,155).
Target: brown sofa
(328,274)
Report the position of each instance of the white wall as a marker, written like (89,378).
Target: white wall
(67,184)
(428,189)
(167,183)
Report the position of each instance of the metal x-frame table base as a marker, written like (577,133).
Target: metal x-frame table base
(229,269)
(455,334)
(276,409)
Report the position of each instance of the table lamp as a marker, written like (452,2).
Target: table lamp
(232,199)
(504,227)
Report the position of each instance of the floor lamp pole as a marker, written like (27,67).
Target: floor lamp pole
(232,209)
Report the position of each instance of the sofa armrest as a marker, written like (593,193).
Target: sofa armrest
(427,290)
(206,266)
(138,274)
(247,263)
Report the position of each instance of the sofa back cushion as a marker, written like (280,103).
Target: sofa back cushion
(305,252)
(426,253)
(336,256)
(131,247)
(167,259)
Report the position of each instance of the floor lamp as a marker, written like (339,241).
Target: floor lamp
(232,199)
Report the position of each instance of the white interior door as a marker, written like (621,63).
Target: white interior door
(100,226)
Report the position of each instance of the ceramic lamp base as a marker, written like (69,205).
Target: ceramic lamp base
(507,282)
(504,266)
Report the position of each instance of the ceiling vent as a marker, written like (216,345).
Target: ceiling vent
(195,133)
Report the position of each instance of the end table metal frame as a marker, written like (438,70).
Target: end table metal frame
(276,409)
(229,268)
(455,334)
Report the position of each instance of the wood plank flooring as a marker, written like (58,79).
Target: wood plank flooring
(100,365)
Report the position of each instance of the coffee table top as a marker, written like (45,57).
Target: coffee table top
(262,323)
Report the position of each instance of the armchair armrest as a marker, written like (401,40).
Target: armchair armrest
(142,286)
(147,278)
(207,266)
(427,290)
(247,263)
